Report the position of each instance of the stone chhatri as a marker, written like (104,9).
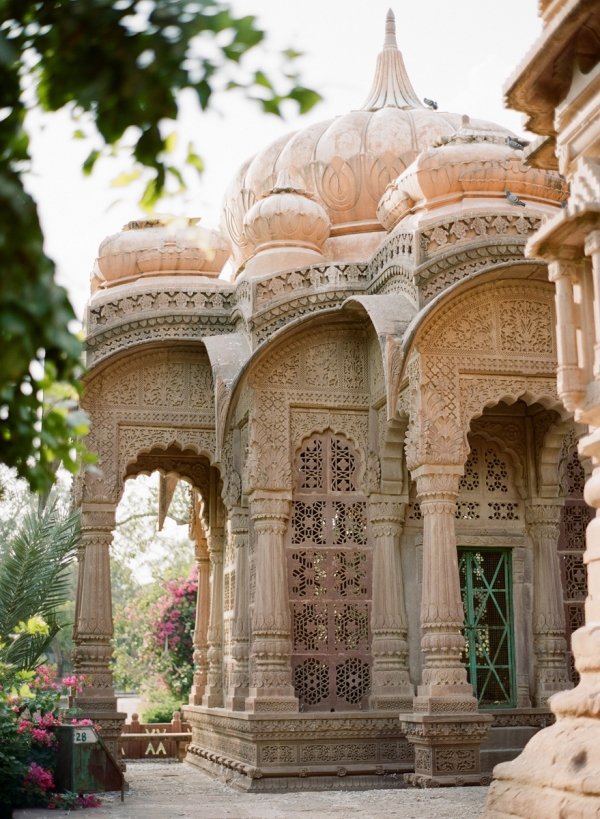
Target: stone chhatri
(382,468)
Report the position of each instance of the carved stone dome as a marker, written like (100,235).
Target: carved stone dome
(347,162)
(286,216)
(469,164)
(160,247)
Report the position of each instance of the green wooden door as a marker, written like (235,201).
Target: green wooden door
(486,588)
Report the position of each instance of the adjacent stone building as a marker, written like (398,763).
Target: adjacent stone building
(558,87)
(388,509)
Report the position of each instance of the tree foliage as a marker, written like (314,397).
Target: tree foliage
(35,581)
(122,64)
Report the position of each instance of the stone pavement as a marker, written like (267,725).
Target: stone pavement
(163,790)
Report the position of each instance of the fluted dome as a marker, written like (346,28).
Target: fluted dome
(160,247)
(347,162)
(470,164)
(287,216)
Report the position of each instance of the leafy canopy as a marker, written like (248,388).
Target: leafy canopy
(122,63)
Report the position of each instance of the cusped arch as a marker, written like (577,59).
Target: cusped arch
(516,459)
(192,464)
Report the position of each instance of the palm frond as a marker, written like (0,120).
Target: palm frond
(35,580)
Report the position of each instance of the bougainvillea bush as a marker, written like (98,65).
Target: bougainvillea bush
(30,709)
(171,640)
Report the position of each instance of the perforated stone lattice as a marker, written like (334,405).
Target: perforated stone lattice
(487,476)
(575,516)
(329,575)
(496,473)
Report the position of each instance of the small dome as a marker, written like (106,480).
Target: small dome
(287,216)
(160,247)
(347,162)
(473,164)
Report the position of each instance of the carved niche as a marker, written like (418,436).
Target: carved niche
(317,381)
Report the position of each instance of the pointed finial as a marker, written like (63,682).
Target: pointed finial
(390,31)
(391,87)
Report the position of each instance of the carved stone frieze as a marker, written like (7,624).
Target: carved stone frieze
(482,227)
(137,332)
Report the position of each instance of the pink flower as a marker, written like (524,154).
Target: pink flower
(38,777)
(42,736)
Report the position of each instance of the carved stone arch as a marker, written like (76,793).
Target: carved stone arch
(557,445)
(481,392)
(190,465)
(516,459)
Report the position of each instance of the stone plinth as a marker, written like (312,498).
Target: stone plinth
(282,752)
(447,748)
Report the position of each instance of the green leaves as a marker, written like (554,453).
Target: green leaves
(124,64)
(34,583)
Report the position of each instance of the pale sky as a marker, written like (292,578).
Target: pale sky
(458,52)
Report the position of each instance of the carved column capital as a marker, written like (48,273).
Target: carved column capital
(238,521)
(437,484)
(592,243)
(269,508)
(563,268)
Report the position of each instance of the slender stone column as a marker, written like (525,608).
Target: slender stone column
(271,682)
(94,629)
(571,386)
(391,688)
(202,619)
(213,693)
(240,635)
(543,521)
(444,680)
(444,710)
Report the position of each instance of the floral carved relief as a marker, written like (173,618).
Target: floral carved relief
(156,399)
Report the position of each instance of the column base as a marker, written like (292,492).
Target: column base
(235,699)
(390,702)
(447,748)
(213,699)
(557,774)
(267,700)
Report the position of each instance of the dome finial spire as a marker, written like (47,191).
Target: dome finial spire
(391,87)
(390,30)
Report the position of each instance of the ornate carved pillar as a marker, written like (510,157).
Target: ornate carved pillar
(94,628)
(213,693)
(271,681)
(571,386)
(557,772)
(391,688)
(202,617)
(445,727)
(543,521)
(240,635)
(444,676)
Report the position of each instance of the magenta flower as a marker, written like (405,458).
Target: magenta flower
(38,778)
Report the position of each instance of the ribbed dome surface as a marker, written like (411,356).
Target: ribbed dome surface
(347,162)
